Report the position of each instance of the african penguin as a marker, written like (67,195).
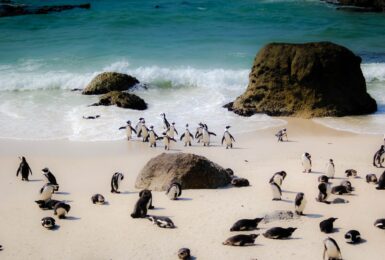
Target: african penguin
(380,223)
(138,127)
(48,222)
(323,178)
(330,169)
(246,224)
(278,178)
(166,140)
(276,190)
(129,130)
(228,138)
(206,135)
(348,185)
(174,191)
(377,162)
(171,131)
(163,222)
(187,137)
(166,124)
(24,169)
(148,195)
(46,192)
(98,199)
(50,178)
(324,192)
(241,240)
(143,132)
(50,204)
(152,137)
(281,133)
(240,182)
(306,162)
(326,225)
(300,203)
(381,182)
(353,237)
(61,209)
(340,190)
(351,173)
(91,117)
(198,133)
(115,182)
(184,254)
(371,178)
(331,249)
(141,206)
(279,233)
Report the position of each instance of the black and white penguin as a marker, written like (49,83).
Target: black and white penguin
(198,133)
(171,131)
(129,130)
(143,132)
(280,134)
(166,140)
(241,240)
(324,192)
(166,124)
(115,182)
(276,190)
(138,127)
(330,169)
(152,137)
(48,222)
(49,204)
(184,254)
(300,203)
(24,169)
(341,190)
(278,178)
(98,199)
(381,182)
(148,195)
(163,222)
(240,182)
(91,117)
(380,223)
(306,162)
(228,138)
(353,237)
(326,225)
(206,135)
(246,224)
(377,162)
(323,178)
(371,178)
(347,184)
(331,249)
(174,191)
(50,178)
(61,209)
(351,173)
(46,192)
(279,232)
(141,206)
(187,137)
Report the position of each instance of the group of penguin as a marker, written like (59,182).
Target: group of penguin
(202,134)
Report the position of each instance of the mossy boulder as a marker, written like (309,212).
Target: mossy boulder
(305,80)
(122,99)
(110,81)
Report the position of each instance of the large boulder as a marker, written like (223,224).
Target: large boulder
(190,170)
(122,99)
(10,8)
(110,81)
(359,5)
(305,80)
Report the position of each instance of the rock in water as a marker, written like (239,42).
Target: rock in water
(190,170)
(110,81)
(122,99)
(305,80)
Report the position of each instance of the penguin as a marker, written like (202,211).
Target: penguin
(184,254)
(330,169)
(347,184)
(147,194)
(380,223)
(61,209)
(143,132)
(300,203)
(166,124)
(279,233)
(24,169)
(331,250)
(281,133)
(48,222)
(129,130)
(246,224)
(326,225)
(115,182)
(141,206)
(306,162)
(98,199)
(240,182)
(371,178)
(353,237)
(198,133)
(171,131)
(166,140)
(377,162)
(381,182)
(46,192)
(351,173)
(323,178)
(163,222)
(277,193)
(49,204)
(174,191)
(206,135)
(340,190)
(324,192)
(278,178)
(138,127)
(91,117)
(241,240)
(152,137)
(50,178)
(186,137)
(228,138)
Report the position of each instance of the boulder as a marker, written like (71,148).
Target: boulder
(110,81)
(190,170)
(9,8)
(359,5)
(305,80)
(122,99)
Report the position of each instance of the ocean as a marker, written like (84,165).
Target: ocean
(194,56)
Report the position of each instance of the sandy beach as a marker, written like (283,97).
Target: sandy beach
(203,217)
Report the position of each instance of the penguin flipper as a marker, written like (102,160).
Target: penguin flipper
(197,136)
(139,133)
(133,129)
(181,137)
(192,137)
(176,131)
(122,127)
(223,139)
(232,138)
(211,133)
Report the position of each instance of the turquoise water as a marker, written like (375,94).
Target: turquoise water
(182,49)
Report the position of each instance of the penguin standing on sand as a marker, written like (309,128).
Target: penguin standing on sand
(166,124)
(278,178)
(331,250)
(141,206)
(228,138)
(330,169)
(276,190)
(300,203)
(306,162)
(171,131)
(281,133)
(152,137)
(143,132)
(24,169)
(138,126)
(381,182)
(174,191)
(206,135)
(166,140)
(129,130)
(198,133)
(46,192)
(187,137)
(50,178)
(326,225)
(324,192)
(377,162)
(115,182)
(147,194)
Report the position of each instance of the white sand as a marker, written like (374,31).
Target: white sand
(203,217)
